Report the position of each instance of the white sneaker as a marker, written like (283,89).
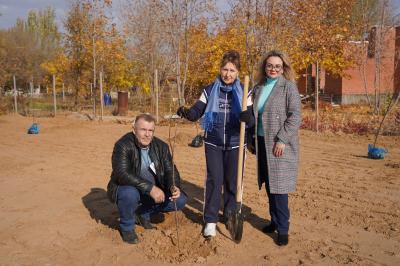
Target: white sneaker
(210,229)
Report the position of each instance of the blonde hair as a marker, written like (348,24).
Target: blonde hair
(288,72)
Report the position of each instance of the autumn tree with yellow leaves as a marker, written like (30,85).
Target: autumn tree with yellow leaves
(92,44)
(160,32)
(25,46)
(320,33)
(184,42)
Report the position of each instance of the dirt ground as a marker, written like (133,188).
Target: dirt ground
(54,209)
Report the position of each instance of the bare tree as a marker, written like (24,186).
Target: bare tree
(159,32)
(180,17)
(147,39)
(262,26)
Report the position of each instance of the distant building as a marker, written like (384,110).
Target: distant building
(352,86)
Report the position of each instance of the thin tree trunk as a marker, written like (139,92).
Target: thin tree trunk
(364,56)
(388,110)
(101,97)
(15,96)
(54,96)
(178,74)
(316,97)
(63,93)
(156,92)
(364,79)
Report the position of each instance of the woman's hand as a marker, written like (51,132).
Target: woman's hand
(278,149)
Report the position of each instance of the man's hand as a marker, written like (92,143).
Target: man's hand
(176,193)
(157,194)
(278,149)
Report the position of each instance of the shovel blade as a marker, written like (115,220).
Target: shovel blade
(235,225)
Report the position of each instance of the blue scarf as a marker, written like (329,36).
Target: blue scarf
(211,113)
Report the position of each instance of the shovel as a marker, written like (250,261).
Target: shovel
(235,218)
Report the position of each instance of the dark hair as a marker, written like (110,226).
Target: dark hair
(231,56)
(146,117)
(288,72)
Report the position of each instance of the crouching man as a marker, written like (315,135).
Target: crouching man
(142,178)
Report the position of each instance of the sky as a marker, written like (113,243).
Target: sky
(10,10)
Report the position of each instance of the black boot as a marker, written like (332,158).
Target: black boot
(144,222)
(268,229)
(282,240)
(129,237)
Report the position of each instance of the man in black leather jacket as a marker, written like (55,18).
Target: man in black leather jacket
(144,180)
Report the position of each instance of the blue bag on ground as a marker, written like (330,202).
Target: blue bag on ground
(107,99)
(34,129)
(375,152)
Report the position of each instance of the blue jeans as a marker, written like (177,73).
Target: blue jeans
(130,201)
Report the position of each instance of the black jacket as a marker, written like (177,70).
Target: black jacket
(126,166)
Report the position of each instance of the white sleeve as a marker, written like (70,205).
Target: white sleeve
(203,97)
(249,98)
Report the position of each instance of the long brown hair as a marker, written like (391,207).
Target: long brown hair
(288,72)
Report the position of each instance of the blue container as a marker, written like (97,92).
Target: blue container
(34,129)
(107,99)
(375,152)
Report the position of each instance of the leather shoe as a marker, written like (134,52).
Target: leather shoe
(282,240)
(129,237)
(269,228)
(157,218)
(146,224)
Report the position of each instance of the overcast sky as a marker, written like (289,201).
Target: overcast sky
(11,9)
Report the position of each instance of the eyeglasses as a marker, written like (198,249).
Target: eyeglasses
(276,67)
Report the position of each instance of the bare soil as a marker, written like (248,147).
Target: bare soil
(54,208)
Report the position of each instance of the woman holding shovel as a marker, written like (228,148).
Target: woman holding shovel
(220,105)
(277,117)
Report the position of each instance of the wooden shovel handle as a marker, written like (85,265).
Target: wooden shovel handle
(241,143)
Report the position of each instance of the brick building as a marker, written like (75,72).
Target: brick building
(353,85)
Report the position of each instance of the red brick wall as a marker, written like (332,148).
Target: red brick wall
(353,84)
(333,84)
(305,80)
(301,82)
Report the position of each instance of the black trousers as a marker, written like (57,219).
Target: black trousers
(221,172)
(278,203)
